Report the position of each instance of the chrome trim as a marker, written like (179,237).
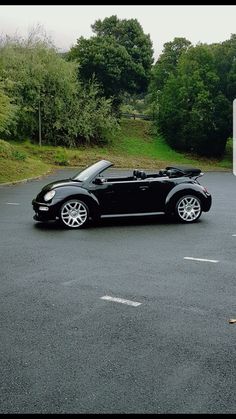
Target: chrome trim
(43,208)
(135,214)
(41,203)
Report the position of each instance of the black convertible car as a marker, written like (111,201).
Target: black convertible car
(94,193)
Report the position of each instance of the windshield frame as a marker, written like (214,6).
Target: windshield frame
(92,171)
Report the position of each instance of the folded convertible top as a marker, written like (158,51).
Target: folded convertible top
(181,170)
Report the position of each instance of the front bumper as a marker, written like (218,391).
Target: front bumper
(44,212)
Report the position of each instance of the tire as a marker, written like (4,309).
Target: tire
(74,214)
(188,209)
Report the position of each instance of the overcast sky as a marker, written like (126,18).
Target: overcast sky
(65,24)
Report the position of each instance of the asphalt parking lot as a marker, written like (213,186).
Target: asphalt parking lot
(120,317)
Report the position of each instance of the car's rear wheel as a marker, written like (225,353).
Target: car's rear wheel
(188,209)
(74,214)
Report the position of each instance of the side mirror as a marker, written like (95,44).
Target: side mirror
(99,181)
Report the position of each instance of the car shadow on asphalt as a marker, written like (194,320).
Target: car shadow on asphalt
(134,221)
(113,222)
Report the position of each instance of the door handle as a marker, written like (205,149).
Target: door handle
(143,188)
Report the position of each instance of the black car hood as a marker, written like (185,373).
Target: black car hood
(59,183)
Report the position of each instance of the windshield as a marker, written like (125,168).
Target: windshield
(89,171)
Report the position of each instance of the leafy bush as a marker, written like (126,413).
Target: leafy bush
(95,122)
(42,84)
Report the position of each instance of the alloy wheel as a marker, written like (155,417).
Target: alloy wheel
(74,213)
(189,208)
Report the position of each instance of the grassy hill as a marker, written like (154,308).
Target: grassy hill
(133,147)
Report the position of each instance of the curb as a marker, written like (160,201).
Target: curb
(26,180)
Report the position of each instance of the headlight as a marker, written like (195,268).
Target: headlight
(49,195)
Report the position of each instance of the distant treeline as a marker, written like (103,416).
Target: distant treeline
(78,97)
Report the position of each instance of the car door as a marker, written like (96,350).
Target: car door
(130,197)
(121,196)
(138,196)
(105,195)
(158,191)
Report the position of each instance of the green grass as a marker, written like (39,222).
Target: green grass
(137,142)
(133,147)
(13,170)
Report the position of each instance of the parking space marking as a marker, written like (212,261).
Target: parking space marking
(201,260)
(12,203)
(234,235)
(121,300)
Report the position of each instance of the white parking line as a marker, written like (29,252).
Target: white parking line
(201,260)
(12,203)
(121,300)
(234,235)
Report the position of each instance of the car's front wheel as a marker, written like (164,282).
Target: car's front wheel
(188,209)
(74,214)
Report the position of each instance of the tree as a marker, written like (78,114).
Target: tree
(165,66)
(193,112)
(119,56)
(45,88)
(225,54)
(7,112)
(168,61)
(38,80)
(129,34)
(95,121)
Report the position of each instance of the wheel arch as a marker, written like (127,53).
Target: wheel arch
(178,192)
(89,199)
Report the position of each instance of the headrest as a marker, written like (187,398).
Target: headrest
(140,174)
